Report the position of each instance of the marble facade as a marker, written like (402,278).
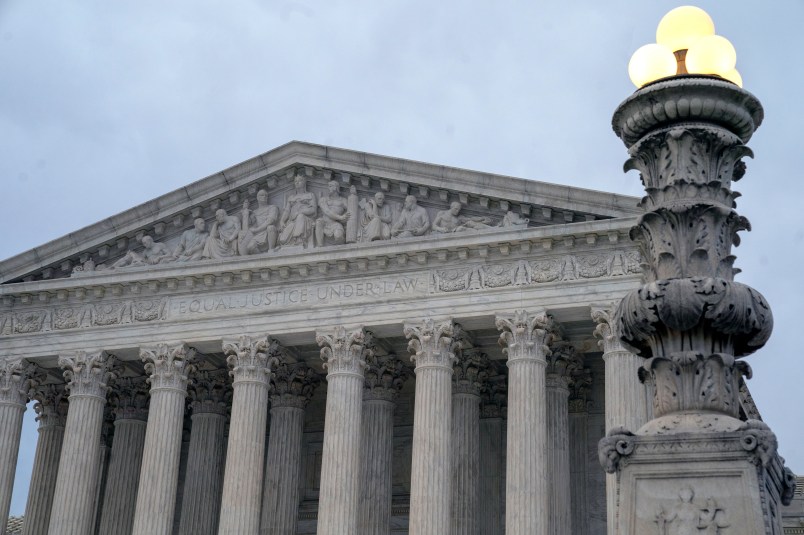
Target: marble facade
(388,346)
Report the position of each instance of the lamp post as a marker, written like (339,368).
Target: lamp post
(696,465)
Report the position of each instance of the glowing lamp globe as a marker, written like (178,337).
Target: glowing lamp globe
(733,76)
(651,62)
(713,54)
(684,25)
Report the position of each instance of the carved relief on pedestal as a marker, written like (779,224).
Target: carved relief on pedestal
(251,359)
(431,343)
(89,373)
(293,384)
(343,351)
(689,516)
(168,366)
(18,381)
(129,398)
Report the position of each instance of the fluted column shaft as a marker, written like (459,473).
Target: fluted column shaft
(524,337)
(242,481)
(465,463)
(491,472)
(280,506)
(377,449)
(560,504)
(79,465)
(343,353)
(122,481)
(15,383)
(159,476)
(431,468)
(203,483)
(45,471)
(578,422)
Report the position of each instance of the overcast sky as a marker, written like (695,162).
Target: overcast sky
(105,105)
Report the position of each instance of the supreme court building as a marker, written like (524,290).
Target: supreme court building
(324,341)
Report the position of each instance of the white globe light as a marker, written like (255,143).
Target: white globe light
(651,62)
(733,76)
(681,27)
(713,54)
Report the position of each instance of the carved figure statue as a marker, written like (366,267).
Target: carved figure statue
(222,240)
(376,220)
(412,221)
(297,223)
(512,219)
(153,253)
(259,226)
(451,220)
(192,242)
(329,228)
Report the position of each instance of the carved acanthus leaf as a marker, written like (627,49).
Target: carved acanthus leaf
(525,334)
(430,343)
(250,359)
(89,374)
(168,366)
(343,351)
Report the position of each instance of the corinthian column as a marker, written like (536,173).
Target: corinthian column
(203,482)
(51,410)
(431,468)
(580,387)
(250,361)
(492,409)
(562,362)
(168,367)
(385,376)
(293,385)
(524,338)
(344,355)
(87,375)
(16,382)
(130,401)
(469,372)
(625,395)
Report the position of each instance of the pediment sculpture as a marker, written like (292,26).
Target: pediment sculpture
(305,220)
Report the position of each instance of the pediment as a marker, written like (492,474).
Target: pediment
(289,216)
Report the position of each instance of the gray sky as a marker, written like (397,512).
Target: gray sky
(104,105)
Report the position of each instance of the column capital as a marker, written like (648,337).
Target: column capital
(18,378)
(168,365)
(129,398)
(51,405)
(250,359)
(470,371)
(580,388)
(494,397)
(89,373)
(607,329)
(525,335)
(563,362)
(343,352)
(293,384)
(209,392)
(385,377)
(431,343)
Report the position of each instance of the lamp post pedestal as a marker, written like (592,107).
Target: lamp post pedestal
(696,465)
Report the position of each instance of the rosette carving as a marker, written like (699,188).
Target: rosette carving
(89,374)
(343,351)
(168,367)
(250,359)
(431,343)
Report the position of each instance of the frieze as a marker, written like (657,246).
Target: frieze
(523,272)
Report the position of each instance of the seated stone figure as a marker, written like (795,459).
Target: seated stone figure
(222,240)
(297,222)
(412,221)
(153,253)
(450,220)
(329,228)
(192,242)
(376,220)
(259,231)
